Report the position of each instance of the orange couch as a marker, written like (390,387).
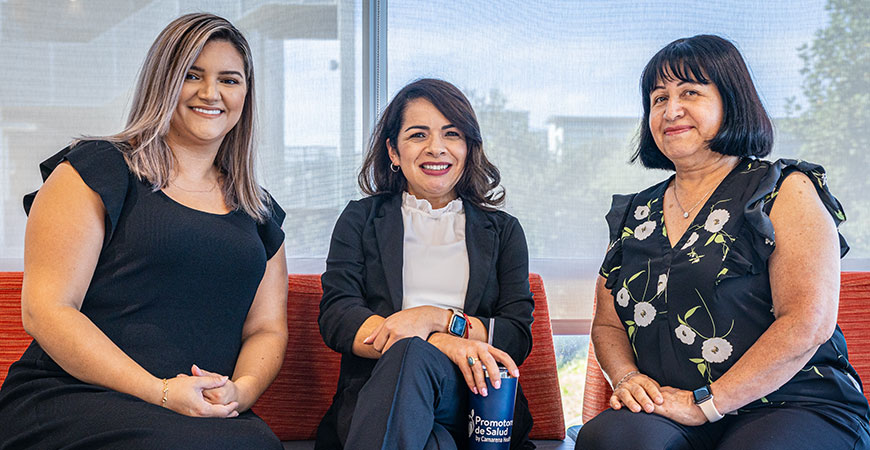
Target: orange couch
(299,397)
(852,318)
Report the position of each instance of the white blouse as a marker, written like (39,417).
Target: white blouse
(435,269)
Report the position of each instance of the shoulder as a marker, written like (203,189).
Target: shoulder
(793,183)
(276,212)
(795,198)
(359,213)
(800,203)
(503,223)
(620,203)
(95,145)
(497,218)
(98,164)
(95,153)
(372,205)
(776,172)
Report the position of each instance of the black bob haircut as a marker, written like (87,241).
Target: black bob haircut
(746,129)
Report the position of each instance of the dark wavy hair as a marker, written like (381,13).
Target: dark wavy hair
(479,182)
(746,129)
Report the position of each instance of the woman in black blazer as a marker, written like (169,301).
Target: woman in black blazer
(408,266)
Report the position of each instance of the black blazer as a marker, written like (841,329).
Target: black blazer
(364,277)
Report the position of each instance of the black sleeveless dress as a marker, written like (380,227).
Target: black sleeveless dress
(172,287)
(693,310)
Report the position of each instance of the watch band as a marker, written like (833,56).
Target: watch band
(710,410)
(467,325)
(704,399)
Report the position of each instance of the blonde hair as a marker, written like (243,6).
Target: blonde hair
(154,101)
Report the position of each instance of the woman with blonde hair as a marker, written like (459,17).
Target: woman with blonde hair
(154,269)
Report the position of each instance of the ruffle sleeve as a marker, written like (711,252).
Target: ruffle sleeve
(102,167)
(616,217)
(750,254)
(270,231)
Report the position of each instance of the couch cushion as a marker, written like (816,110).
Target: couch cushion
(296,401)
(538,374)
(852,318)
(14,340)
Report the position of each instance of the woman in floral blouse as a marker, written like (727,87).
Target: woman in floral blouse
(717,300)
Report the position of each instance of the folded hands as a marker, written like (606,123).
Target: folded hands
(203,394)
(640,393)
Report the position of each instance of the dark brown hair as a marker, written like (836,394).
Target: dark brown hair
(479,182)
(746,129)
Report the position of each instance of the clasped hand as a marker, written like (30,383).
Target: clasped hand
(641,393)
(459,350)
(203,394)
(422,322)
(418,321)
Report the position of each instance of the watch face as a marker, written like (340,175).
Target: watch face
(701,394)
(457,325)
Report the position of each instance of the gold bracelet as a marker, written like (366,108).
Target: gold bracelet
(165,392)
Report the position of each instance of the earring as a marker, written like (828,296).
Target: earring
(394,167)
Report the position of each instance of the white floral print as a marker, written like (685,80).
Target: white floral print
(644,313)
(716,220)
(644,230)
(622,297)
(662,284)
(715,350)
(642,212)
(685,334)
(691,241)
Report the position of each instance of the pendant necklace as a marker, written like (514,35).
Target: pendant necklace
(686,212)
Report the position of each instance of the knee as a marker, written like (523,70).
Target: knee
(414,353)
(623,430)
(401,346)
(594,435)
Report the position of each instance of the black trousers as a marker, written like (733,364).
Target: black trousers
(774,428)
(64,413)
(416,398)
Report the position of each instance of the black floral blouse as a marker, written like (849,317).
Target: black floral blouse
(692,310)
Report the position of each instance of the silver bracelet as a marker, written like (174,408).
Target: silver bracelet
(625,378)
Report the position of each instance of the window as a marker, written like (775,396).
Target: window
(555,87)
(75,70)
(554,84)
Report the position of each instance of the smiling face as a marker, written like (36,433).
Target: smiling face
(430,151)
(684,117)
(212,98)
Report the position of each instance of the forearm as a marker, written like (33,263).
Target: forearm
(86,353)
(362,349)
(258,364)
(613,352)
(775,358)
(478,331)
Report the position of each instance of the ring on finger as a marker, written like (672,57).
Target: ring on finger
(472,361)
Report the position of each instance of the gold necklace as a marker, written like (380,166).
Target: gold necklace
(679,205)
(201,191)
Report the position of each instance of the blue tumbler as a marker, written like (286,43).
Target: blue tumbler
(491,418)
